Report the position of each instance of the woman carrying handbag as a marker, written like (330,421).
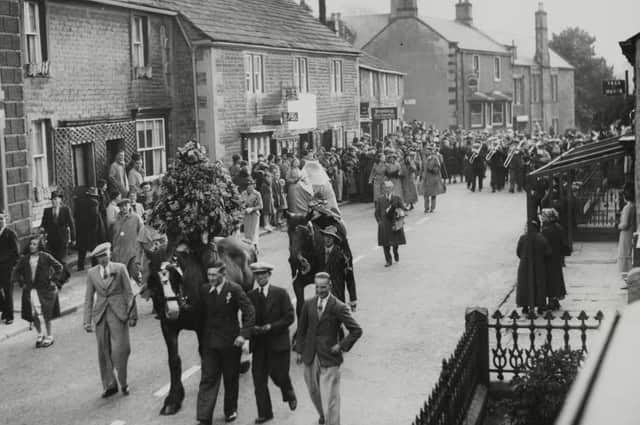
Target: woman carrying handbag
(35,272)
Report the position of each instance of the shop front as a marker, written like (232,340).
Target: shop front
(384,121)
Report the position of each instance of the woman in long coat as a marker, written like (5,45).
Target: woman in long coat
(432,184)
(376,176)
(627,226)
(392,173)
(555,236)
(252,202)
(35,272)
(408,172)
(533,251)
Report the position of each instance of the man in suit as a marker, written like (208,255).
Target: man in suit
(59,227)
(223,338)
(336,263)
(112,312)
(89,223)
(385,214)
(270,341)
(118,180)
(8,258)
(320,349)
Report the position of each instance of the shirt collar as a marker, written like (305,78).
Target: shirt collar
(218,288)
(322,302)
(265,289)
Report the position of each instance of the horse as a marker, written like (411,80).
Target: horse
(306,247)
(174,284)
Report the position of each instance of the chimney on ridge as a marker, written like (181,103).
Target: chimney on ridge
(464,12)
(322,11)
(542,37)
(403,9)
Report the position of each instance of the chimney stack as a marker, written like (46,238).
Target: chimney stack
(322,11)
(464,12)
(542,37)
(403,9)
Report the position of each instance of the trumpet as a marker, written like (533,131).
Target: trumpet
(473,157)
(507,162)
(491,153)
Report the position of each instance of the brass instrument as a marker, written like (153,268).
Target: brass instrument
(512,153)
(491,153)
(473,157)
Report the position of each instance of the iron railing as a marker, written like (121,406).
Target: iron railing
(514,353)
(461,374)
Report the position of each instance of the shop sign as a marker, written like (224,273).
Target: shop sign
(522,118)
(614,87)
(384,113)
(301,113)
(409,102)
(290,116)
(364,109)
(272,119)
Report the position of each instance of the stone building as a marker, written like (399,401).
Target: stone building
(381,97)
(460,76)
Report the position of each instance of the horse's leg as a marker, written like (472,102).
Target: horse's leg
(298,290)
(173,401)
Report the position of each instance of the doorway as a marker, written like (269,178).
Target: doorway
(84,171)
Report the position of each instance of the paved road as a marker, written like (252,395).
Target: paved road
(412,314)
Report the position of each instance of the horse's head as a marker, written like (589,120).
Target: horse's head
(300,242)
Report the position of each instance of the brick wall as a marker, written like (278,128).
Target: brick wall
(16,178)
(237,111)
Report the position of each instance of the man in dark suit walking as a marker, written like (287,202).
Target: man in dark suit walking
(320,348)
(8,258)
(270,341)
(390,235)
(222,343)
(58,225)
(337,265)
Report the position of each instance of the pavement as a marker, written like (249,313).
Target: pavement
(412,315)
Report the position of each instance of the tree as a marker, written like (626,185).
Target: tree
(593,109)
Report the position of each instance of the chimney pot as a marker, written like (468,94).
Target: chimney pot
(464,12)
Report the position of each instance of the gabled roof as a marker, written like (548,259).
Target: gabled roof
(526,49)
(377,64)
(366,27)
(629,48)
(269,23)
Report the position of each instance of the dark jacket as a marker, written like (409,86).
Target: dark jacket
(47,291)
(316,335)
(277,311)
(384,213)
(342,279)
(9,252)
(533,251)
(555,235)
(220,315)
(59,230)
(89,222)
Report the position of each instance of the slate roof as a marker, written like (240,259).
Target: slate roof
(468,37)
(272,23)
(526,50)
(377,64)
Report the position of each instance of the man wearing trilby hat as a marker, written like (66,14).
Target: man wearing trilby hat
(109,305)
(60,229)
(336,263)
(388,211)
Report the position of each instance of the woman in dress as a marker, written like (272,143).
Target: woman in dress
(252,202)
(35,272)
(533,251)
(627,226)
(432,184)
(376,176)
(392,173)
(408,172)
(555,236)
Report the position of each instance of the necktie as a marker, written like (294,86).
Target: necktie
(105,275)
(264,292)
(320,308)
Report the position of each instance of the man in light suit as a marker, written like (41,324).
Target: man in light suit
(270,342)
(112,312)
(320,348)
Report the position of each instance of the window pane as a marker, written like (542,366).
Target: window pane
(248,73)
(38,172)
(149,137)
(141,139)
(157,162)
(160,132)
(137,30)
(148,161)
(38,139)
(33,18)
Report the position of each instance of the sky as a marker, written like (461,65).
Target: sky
(610,21)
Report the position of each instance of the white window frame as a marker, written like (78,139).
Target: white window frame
(371,84)
(363,77)
(40,161)
(475,64)
(502,113)
(336,74)
(301,74)
(385,85)
(497,68)
(158,143)
(398,88)
(518,91)
(138,24)
(477,115)
(254,73)
(32,32)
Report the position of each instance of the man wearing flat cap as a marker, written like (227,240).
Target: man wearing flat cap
(59,227)
(320,347)
(109,306)
(270,343)
(126,248)
(337,264)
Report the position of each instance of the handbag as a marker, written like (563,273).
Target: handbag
(398,222)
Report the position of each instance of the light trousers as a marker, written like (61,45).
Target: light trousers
(324,389)
(113,349)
